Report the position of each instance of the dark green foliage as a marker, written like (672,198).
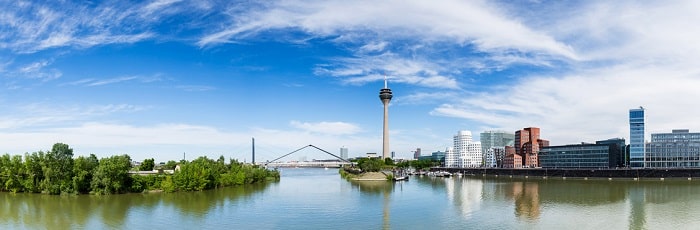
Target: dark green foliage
(56,172)
(370,164)
(388,161)
(111,175)
(423,164)
(170,165)
(147,165)
(204,173)
(146,183)
(83,170)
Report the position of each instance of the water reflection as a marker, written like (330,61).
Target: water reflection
(37,211)
(383,188)
(465,194)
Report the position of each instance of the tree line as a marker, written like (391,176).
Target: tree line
(57,172)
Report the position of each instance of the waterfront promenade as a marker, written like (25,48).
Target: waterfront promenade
(642,173)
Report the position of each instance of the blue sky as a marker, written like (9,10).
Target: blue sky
(159,78)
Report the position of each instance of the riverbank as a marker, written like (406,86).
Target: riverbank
(362,176)
(606,174)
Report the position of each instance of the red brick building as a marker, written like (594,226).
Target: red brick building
(528,144)
(512,160)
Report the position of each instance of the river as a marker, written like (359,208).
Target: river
(320,199)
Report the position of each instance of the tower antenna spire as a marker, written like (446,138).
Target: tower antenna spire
(385,85)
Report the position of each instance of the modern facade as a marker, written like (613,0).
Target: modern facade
(512,159)
(468,151)
(451,158)
(527,144)
(637,138)
(439,156)
(344,153)
(493,157)
(678,149)
(385,96)
(602,154)
(494,139)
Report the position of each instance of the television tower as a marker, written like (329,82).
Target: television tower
(385,95)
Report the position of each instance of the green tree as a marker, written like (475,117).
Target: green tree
(58,170)
(112,175)
(170,165)
(388,161)
(370,164)
(195,175)
(83,170)
(147,165)
(33,166)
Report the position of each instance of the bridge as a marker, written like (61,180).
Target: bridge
(309,164)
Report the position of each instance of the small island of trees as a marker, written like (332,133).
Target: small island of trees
(57,172)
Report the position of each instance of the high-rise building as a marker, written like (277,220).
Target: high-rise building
(468,151)
(417,154)
(678,149)
(527,145)
(344,153)
(494,139)
(385,95)
(637,138)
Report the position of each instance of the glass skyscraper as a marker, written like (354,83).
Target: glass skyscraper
(637,138)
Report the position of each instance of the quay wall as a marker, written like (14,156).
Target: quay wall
(579,173)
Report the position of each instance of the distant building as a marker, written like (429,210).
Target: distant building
(637,138)
(439,156)
(678,149)
(602,154)
(491,139)
(344,153)
(416,154)
(468,151)
(527,144)
(371,155)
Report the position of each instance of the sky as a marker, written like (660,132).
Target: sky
(171,78)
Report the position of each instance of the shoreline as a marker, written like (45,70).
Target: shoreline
(583,174)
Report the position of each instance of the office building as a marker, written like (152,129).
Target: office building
(494,139)
(602,154)
(637,138)
(678,149)
(417,154)
(344,153)
(439,156)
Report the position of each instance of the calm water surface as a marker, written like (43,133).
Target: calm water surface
(320,199)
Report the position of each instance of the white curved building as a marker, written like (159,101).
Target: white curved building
(467,150)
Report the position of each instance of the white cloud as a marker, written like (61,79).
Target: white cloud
(324,127)
(474,22)
(38,115)
(366,69)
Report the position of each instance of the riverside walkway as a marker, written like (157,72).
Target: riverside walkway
(629,173)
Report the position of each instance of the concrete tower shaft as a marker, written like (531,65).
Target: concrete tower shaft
(385,96)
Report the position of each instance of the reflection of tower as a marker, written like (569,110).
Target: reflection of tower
(385,95)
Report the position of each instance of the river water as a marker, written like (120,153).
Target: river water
(320,199)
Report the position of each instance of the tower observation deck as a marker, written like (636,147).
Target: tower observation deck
(385,96)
